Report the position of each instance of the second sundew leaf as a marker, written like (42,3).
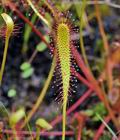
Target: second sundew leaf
(37,13)
(10,24)
(9,29)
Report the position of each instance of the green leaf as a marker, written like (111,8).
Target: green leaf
(100,108)
(41,47)
(47,38)
(89,112)
(16,116)
(27,73)
(25,66)
(42,123)
(12,93)
(105,137)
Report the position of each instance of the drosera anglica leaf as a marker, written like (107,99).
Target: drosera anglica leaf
(62,41)
(9,29)
(9,23)
(63,48)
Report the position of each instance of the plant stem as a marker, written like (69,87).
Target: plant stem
(27,32)
(42,94)
(110,130)
(73,107)
(106,47)
(101,128)
(38,134)
(81,17)
(37,13)
(54,133)
(64,119)
(4,59)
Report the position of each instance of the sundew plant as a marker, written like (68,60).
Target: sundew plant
(59,70)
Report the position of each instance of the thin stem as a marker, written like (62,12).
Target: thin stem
(33,56)
(106,125)
(27,32)
(79,132)
(37,13)
(38,134)
(81,17)
(101,129)
(55,133)
(15,135)
(106,47)
(101,28)
(42,94)
(4,59)
(29,128)
(64,119)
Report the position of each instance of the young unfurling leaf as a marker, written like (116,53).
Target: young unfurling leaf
(9,29)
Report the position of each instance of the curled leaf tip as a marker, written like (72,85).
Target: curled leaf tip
(9,22)
(9,29)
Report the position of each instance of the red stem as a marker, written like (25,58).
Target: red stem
(80,121)
(55,133)
(79,132)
